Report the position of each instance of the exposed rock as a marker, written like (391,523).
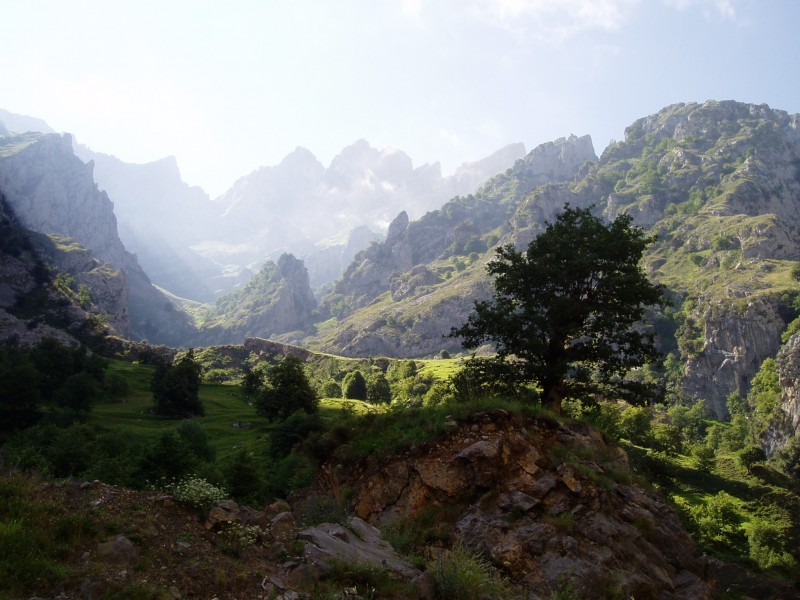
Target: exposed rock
(277,300)
(119,551)
(737,339)
(52,191)
(357,543)
(536,516)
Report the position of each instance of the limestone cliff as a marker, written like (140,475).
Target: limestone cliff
(456,228)
(41,294)
(277,300)
(52,191)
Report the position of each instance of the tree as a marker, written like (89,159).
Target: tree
(287,390)
(564,312)
(354,386)
(378,389)
(176,388)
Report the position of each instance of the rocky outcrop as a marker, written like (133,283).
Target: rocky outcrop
(107,287)
(526,501)
(277,300)
(450,230)
(52,191)
(787,425)
(737,337)
(32,307)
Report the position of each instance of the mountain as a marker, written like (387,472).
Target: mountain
(51,191)
(53,288)
(159,218)
(301,207)
(278,299)
(402,296)
(718,183)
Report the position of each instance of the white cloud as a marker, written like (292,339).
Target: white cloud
(553,21)
(725,8)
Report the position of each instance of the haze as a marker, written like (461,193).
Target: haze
(228,87)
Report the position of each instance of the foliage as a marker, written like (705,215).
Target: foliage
(770,541)
(486,378)
(176,388)
(378,389)
(567,307)
(331,389)
(635,425)
(787,459)
(196,492)
(354,386)
(463,574)
(763,399)
(287,390)
(751,455)
(719,521)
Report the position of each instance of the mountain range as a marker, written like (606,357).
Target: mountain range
(717,183)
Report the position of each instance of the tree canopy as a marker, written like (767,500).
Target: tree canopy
(286,391)
(176,388)
(565,312)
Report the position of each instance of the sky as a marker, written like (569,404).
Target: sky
(228,87)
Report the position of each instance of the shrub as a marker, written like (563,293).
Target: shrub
(331,389)
(464,574)
(718,520)
(769,545)
(751,455)
(196,492)
(634,424)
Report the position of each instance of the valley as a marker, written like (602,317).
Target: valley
(359,272)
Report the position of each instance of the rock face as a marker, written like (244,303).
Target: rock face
(33,308)
(456,227)
(736,340)
(160,218)
(52,191)
(277,300)
(537,512)
(788,364)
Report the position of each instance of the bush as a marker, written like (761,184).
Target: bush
(751,455)
(462,573)
(634,424)
(196,492)
(331,389)
(718,520)
(769,545)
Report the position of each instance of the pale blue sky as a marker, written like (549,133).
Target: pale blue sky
(227,87)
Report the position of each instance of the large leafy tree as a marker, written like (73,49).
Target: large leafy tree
(176,388)
(565,312)
(287,390)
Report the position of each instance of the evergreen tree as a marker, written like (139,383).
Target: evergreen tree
(564,312)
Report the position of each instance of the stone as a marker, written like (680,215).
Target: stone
(283,527)
(120,551)
(324,542)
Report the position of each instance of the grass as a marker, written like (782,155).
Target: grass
(224,406)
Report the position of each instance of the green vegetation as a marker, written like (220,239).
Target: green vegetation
(563,313)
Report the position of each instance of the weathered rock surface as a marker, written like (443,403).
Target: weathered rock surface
(737,339)
(276,300)
(540,513)
(52,191)
(787,426)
